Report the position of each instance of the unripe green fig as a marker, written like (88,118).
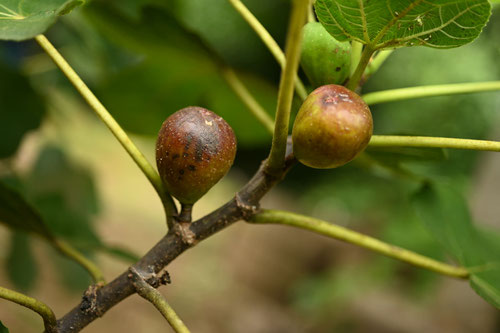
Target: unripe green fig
(333,125)
(324,59)
(194,150)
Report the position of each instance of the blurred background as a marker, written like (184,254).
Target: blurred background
(145,59)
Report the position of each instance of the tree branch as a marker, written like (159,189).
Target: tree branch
(178,239)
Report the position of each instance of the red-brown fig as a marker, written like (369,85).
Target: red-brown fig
(194,150)
(332,126)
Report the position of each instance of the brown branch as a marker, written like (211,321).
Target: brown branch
(179,239)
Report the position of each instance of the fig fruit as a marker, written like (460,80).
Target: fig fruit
(194,150)
(324,59)
(333,125)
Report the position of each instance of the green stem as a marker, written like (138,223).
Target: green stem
(285,95)
(156,298)
(429,91)
(246,97)
(268,40)
(310,12)
(111,123)
(432,142)
(377,62)
(356,49)
(338,232)
(49,319)
(360,68)
(67,250)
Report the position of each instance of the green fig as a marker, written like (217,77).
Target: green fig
(324,59)
(194,150)
(333,125)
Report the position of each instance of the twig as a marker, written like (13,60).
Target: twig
(111,123)
(49,319)
(268,41)
(285,94)
(242,206)
(355,78)
(338,232)
(246,97)
(70,252)
(432,142)
(146,291)
(429,91)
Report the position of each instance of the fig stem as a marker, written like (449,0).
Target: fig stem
(268,40)
(310,12)
(149,293)
(356,49)
(276,159)
(377,61)
(186,211)
(353,237)
(433,142)
(393,95)
(48,316)
(360,69)
(111,123)
(246,97)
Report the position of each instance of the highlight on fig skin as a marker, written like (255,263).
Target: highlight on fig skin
(194,150)
(332,127)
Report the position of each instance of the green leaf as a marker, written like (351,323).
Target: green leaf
(21,109)
(17,213)
(396,23)
(21,264)
(24,19)
(3,329)
(445,214)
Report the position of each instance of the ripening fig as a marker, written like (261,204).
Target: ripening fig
(194,150)
(324,59)
(332,126)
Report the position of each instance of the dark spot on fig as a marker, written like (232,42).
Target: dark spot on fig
(199,151)
(189,138)
(176,156)
(181,171)
(191,167)
(337,69)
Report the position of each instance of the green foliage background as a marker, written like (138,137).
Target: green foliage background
(145,59)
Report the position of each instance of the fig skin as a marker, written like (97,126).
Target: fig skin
(194,150)
(332,127)
(324,59)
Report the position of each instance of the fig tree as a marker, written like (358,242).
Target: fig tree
(332,126)
(194,150)
(324,59)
